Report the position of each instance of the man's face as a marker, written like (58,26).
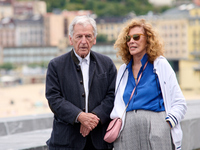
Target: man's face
(83,39)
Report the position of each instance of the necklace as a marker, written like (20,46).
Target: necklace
(135,79)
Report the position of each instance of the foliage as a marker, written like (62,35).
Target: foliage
(106,7)
(161,9)
(101,38)
(7,66)
(42,64)
(51,4)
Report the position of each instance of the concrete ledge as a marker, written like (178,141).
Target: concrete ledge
(32,132)
(25,132)
(22,124)
(191,126)
(35,140)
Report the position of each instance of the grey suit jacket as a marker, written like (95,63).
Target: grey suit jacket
(66,98)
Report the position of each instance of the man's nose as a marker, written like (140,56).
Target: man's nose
(83,40)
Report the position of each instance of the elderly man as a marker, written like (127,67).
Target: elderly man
(80,91)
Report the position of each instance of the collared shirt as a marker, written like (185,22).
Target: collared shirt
(84,63)
(148,95)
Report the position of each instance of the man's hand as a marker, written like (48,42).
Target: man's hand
(84,131)
(88,120)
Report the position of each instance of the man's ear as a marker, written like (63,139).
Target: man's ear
(95,40)
(70,40)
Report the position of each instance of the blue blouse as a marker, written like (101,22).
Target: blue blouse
(148,95)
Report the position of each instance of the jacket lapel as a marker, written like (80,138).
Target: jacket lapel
(92,68)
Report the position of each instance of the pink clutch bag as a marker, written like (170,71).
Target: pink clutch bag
(113,129)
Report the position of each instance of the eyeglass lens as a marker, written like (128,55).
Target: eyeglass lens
(136,37)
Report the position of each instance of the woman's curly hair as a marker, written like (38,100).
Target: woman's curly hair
(154,44)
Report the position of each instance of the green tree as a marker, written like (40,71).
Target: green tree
(41,64)
(51,4)
(101,38)
(74,6)
(106,7)
(7,66)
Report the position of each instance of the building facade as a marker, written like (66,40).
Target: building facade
(111,26)
(28,8)
(53,29)
(28,55)
(6,9)
(29,31)
(179,28)
(7,32)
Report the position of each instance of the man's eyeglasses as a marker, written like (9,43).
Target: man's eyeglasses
(136,37)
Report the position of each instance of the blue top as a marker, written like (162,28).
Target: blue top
(148,95)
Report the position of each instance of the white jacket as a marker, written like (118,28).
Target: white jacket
(174,100)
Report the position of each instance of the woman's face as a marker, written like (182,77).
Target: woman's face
(138,46)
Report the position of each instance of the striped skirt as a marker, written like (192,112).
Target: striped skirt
(145,130)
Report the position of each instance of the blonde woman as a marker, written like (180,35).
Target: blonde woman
(152,118)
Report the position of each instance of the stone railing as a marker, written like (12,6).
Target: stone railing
(26,132)
(32,132)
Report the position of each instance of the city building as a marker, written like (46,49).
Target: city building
(27,55)
(190,68)
(29,31)
(180,2)
(15,8)
(161,3)
(53,29)
(28,7)
(1,55)
(70,15)
(7,32)
(106,49)
(6,9)
(111,26)
(180,30)
(173,27)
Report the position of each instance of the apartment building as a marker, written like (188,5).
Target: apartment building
(29,31)
(180,31)
(53,29)
(28,7)
(56,27)
(6,9)
(1,55)
(173,28)
(10,8)
(110,26)
(7,32)
(29,54)
(190,68)
(70,15)
(194,33)
(161,3)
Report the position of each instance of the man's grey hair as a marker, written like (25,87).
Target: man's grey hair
(83,20)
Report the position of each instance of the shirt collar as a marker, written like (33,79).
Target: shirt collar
(143,61)
(81,59)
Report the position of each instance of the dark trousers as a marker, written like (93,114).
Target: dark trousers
(89,145)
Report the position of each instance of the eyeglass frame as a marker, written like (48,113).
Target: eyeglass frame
(131,36)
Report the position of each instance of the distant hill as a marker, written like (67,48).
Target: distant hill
(106,7)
